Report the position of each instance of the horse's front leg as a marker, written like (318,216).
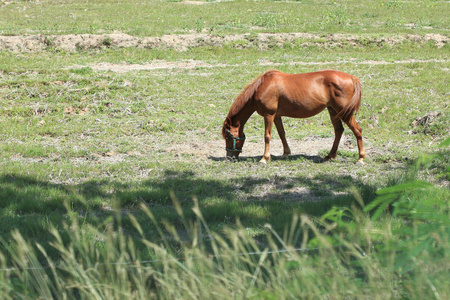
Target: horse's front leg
(268,123)
(282,134)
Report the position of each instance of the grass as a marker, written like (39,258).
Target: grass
(133,162)
(96,139)
(345,253)
(155,18)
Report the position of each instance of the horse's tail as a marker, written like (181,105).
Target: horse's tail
(241,100)
(354,103)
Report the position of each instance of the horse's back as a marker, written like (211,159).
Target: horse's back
(303,81)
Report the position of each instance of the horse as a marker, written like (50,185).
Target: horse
(276,94)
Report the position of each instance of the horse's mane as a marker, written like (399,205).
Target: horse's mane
(243,99)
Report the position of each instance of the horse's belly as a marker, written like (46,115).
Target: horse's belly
(300,110)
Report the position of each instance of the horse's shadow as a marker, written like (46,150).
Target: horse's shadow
(298,157)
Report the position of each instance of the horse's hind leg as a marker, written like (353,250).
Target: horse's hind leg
(357,131)
(282,134)
(338,130)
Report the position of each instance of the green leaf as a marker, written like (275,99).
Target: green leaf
(445,143)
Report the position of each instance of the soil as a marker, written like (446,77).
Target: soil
(307,147)
(154,65)
(182,42)
(192,64)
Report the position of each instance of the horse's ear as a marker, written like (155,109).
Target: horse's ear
(228,122)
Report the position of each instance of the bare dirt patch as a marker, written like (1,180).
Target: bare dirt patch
(154,65)
(309,147)
(182,42)
(192,64)
(193,2)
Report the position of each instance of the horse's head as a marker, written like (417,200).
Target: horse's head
(233,140)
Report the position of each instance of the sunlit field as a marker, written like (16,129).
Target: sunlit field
(113,177)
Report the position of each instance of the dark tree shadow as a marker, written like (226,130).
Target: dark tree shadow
(29,204)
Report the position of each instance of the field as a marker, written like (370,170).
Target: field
(111,151)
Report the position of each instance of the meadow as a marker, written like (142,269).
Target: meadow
(113,177)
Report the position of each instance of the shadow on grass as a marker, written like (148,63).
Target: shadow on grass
(312,158)
(30,205)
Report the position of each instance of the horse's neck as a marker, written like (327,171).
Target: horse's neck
(242,116)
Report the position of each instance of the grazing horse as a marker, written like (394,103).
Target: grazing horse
(276,94)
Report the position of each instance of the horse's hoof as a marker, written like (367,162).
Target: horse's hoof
(284,156)
(263,161)
(360,162)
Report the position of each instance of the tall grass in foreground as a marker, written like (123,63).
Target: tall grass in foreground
(356,253)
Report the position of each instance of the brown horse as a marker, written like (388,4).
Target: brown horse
(275,94)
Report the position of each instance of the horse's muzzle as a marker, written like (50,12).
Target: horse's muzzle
(232,154)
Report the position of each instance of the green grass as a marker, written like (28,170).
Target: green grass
(82,150)
(76,127)
(348,252)
(155,18)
